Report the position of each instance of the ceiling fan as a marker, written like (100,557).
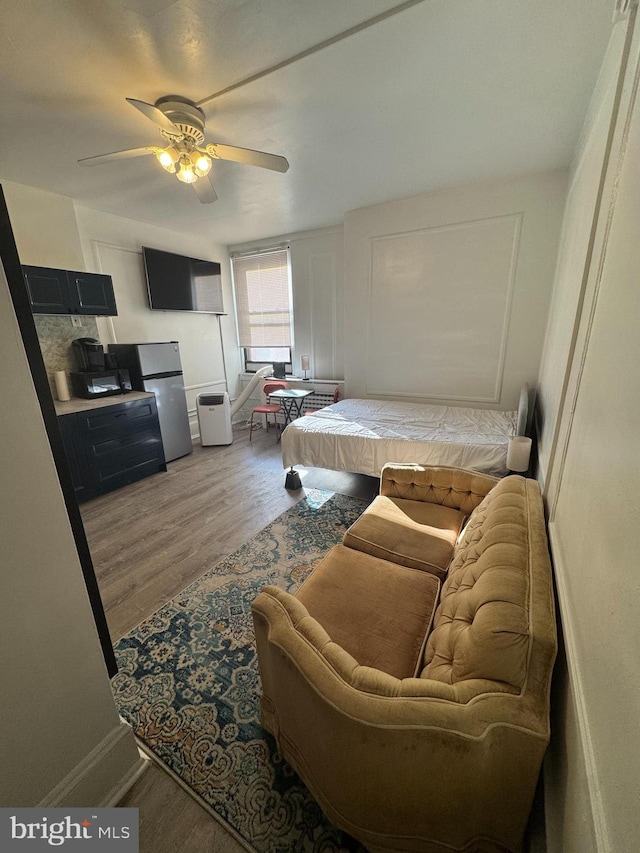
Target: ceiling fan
(185,152)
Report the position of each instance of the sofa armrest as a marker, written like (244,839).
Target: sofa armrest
(457,488)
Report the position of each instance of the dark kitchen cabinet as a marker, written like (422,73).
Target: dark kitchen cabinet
(74,451)
(112,446)
(53,291)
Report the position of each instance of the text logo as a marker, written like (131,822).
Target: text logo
(102,830)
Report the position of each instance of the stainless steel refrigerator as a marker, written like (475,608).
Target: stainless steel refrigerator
(157,368)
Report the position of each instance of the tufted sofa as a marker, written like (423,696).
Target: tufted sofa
(408,679)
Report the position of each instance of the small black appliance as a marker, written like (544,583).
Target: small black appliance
(100,383)
(90,354)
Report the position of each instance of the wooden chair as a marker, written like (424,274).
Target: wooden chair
(268,408)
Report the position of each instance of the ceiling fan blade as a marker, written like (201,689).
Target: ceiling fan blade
(156,116)
(204,190)
(248,156)
(119,155)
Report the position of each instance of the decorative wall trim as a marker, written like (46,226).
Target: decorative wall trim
(296,236)
(205,385)
(95,769)
(373,385)
(96,245)
(317,345)
(569,633)
(599,244)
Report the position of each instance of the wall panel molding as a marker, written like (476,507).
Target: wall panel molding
(589,771)
(441,296)
(108,763)
(323,315)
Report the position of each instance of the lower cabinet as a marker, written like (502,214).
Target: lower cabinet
(112,446)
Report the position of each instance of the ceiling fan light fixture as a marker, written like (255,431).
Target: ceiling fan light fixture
(201,164)
(186,173)
(168,157)
(181,123)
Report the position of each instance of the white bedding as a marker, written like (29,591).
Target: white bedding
(360,436)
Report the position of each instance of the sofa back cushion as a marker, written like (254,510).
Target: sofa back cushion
(418,534)
(481,627)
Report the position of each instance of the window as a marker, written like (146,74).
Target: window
(257,357)
(262,288)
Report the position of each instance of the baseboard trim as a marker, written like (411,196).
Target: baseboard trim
(128,781)
(601,835)
(95,780)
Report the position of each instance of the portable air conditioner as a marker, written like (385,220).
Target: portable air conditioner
(214,419)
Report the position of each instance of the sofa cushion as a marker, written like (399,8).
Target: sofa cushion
(418,534)
(379,612)
(481,628)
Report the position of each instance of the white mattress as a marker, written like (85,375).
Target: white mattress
(360,436)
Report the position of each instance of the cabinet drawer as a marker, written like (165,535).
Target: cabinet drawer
(119,418)
(112,446)
(115,461)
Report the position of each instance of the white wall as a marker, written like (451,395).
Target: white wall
(62,740)
(592,466)
(44,226)
(579,231)
(317,266)
(446,294)
(113,245)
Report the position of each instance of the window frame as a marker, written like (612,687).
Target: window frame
(250,365)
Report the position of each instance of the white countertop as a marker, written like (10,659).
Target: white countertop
(79,404)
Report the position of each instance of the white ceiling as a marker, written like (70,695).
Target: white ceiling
(441,92)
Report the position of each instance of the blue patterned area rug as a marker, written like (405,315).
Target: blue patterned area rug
(189,686)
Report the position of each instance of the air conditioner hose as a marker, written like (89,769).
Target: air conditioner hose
(248,391)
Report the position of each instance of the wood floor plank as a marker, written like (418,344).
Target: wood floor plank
(171,821)
(151,539)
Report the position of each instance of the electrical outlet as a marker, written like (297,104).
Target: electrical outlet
(76,321)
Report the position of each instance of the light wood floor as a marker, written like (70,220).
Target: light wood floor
(151,539)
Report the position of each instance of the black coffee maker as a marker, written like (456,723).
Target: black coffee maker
(90,354)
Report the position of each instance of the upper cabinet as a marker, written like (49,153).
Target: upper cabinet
(54,291)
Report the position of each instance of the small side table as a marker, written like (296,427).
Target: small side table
(291,400)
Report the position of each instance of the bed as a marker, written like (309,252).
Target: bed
(359,436)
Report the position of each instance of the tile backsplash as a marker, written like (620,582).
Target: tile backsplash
(56,334)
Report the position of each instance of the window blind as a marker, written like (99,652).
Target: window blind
(263,302)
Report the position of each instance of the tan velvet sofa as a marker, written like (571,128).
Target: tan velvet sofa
(408,679)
